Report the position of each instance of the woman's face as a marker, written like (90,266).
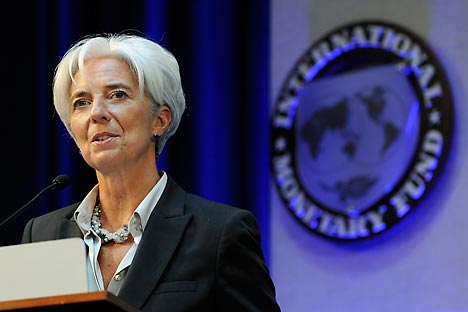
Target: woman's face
(111,121)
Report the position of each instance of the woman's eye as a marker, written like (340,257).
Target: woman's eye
(119,94)
(80,103)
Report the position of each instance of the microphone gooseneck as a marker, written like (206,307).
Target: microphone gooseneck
(59,182)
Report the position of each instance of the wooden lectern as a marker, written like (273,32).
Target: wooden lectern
(101,301)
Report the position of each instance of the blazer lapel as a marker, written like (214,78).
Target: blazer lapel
(160,238)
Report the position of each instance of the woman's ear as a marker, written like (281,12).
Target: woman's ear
(162,120)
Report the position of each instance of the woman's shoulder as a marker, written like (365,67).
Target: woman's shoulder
(201,206)
(197,204)
(45,227)
(65,212)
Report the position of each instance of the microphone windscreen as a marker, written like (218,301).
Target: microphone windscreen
(61,181)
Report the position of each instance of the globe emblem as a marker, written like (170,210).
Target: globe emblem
(360,130)
(352,146)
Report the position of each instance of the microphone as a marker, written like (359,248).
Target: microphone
(59,182)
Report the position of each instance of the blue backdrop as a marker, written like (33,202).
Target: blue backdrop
(221,148)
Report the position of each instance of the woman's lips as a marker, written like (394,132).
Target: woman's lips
(103,137)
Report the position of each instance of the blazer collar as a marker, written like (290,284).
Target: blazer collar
(165,228)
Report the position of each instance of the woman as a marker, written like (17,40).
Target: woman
(148,241)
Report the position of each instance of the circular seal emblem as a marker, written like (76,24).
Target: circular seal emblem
(360,130)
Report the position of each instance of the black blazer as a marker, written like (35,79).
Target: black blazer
(195,255)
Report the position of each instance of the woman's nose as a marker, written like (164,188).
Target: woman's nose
(99,110)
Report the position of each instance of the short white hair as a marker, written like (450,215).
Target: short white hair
(155,68)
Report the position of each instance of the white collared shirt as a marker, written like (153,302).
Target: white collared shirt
(137,224)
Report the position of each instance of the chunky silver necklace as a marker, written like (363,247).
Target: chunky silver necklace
(118,236)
